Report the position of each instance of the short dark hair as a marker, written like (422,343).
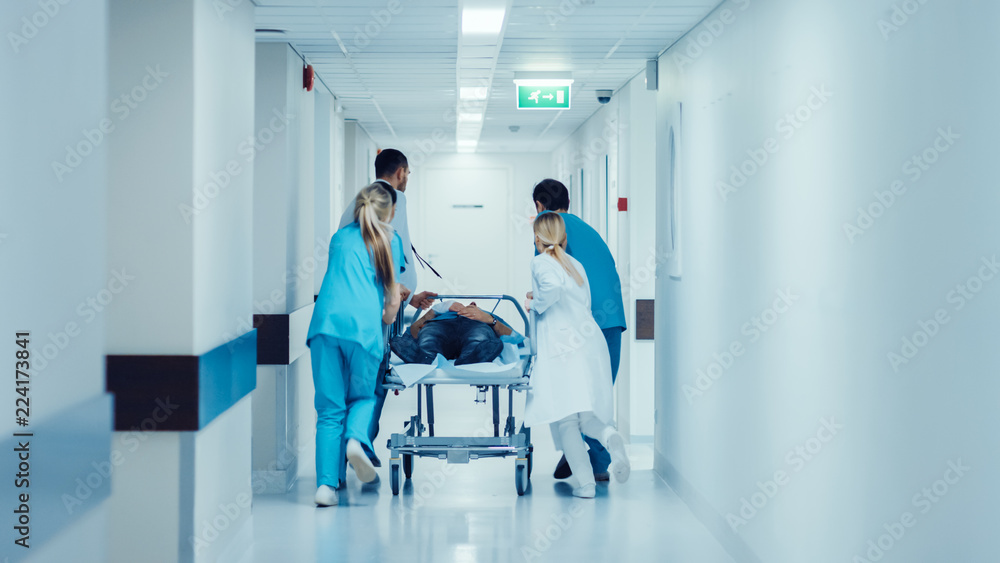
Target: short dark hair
(552,194)
(388,162)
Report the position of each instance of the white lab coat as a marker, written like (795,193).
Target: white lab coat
(572,370)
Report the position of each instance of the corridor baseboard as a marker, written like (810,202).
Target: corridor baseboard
(180,393)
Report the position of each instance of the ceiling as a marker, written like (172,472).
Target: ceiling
(395,64)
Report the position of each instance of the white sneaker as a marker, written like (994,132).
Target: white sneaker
(620,464)
(326,496)
(586,491)
(359,461)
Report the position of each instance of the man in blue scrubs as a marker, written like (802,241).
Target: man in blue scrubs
(587,246)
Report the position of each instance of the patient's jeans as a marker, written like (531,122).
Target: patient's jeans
(464,340)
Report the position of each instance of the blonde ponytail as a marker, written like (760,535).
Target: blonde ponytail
(372,208)
(551,231)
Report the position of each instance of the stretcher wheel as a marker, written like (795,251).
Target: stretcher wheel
(521,477)
(407,465)
(530,456)
(394,480)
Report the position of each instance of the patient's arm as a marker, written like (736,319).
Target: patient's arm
(477,314)
(417,324)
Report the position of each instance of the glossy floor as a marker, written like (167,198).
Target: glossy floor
(471,513)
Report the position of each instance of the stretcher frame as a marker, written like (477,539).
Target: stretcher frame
(403,447)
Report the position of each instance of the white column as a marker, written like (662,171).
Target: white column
(179,217)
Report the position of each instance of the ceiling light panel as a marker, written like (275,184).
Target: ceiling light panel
(482,21)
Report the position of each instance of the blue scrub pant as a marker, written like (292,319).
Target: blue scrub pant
(599,457)
(344,376)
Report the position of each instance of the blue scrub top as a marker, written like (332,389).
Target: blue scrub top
(351,298)
(587,246)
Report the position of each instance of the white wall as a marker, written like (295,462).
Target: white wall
(149,183)
(359,160)
(283,186)
(53,257)
(329,179)
(638,134)
(525,170)
(223,106)
(827,356)
(285,245)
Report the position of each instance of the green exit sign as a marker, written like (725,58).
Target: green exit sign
(542,97)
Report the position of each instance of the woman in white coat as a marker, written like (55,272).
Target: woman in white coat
(571,380)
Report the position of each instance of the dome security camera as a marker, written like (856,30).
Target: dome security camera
(604,96)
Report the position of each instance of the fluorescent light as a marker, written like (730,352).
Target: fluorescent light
(480,21)
(475,117)
(467,143)
(473,92)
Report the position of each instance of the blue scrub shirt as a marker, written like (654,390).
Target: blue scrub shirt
(350,302)
(587,246)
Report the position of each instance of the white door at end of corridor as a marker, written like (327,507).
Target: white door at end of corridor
(466,230)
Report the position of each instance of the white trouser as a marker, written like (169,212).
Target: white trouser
(575,449)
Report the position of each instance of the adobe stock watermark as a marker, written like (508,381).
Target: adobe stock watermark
(923,501)
(32,25)
(432,143)
(219,180)
(900,16)
(131,440)
(753,329)
(303,272)
(88,310)
(913,169)
(612,307)
(545,537)
(795,460)
(223,7)
(229,512)
(700,39)
(436,479)
(596,148)
(759,156)
(380,20)
(565,9)
(121,107)
(599,145)
(958,298)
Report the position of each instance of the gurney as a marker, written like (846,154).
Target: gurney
(511,371)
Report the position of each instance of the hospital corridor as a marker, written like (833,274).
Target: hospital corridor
(499,281)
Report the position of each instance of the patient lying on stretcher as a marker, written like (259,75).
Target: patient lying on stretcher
(464,333)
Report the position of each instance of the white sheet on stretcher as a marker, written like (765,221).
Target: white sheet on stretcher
(509,365)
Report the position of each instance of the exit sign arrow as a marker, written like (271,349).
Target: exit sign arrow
(543,97)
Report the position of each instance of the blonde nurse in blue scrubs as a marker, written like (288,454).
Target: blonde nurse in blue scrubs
(359,294)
